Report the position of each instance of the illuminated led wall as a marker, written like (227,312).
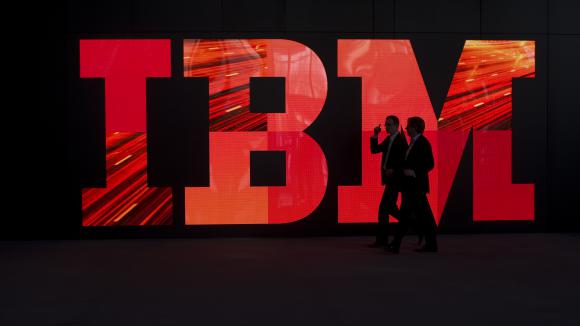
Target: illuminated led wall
(478,104)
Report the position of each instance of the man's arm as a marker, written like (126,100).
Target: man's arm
(375,147)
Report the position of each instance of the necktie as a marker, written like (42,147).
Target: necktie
(409,149)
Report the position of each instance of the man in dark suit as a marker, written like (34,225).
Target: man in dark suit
(418,161)
(393,150)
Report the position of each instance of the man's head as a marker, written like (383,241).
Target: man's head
(392,124)
(415,126)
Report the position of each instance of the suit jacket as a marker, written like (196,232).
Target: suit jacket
(420,160)
(395,159)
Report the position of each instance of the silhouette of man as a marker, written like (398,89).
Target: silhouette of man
(418,161)
(393,150)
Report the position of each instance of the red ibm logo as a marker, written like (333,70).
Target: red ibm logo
(478,101)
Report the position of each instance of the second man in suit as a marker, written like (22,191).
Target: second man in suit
(418,161)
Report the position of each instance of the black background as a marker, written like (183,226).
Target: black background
(61,148)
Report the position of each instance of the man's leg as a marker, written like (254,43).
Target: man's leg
(392,196)
(383,223)
(392,209)
(404,218)
(426,221)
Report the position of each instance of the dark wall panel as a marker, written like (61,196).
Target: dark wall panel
(425,16)
(563,16)
(384,17)
(563,122)
(330,16)
(109,16)
(254,15)
(514,16)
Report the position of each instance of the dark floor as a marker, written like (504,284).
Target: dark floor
(507,279)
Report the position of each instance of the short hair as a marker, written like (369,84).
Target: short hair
(417,123)
(394,118)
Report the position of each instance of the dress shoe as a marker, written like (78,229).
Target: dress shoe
(420,240)
(392,248)
(376,244)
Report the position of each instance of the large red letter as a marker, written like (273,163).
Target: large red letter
(235,131)
(125,64)
(480,98)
